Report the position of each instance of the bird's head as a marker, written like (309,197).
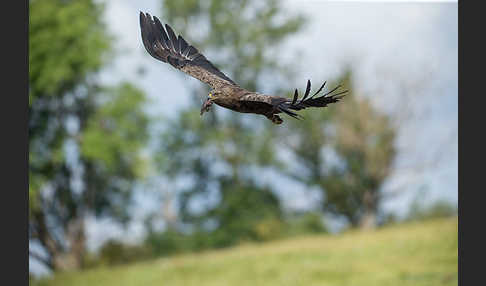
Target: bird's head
(213,94)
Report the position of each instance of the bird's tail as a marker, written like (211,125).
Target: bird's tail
(322,101)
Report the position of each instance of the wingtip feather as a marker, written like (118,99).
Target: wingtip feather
(296,95)
(307,89)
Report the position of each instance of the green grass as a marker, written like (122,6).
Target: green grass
(420,253)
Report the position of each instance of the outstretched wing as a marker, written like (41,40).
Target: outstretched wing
(167,47)
(287,105)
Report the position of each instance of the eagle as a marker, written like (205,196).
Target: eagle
(164,45)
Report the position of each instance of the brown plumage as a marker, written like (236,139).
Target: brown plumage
(165,46)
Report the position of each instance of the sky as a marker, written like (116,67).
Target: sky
(404,56)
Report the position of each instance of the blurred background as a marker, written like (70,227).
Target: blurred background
(123,169)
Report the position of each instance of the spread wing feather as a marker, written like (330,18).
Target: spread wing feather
(287,105)
(164,45)
(262,103)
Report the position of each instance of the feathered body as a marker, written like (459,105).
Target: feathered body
(165,46)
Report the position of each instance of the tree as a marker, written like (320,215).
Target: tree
(222,153)
(217,159)
(84,138)
(347,154)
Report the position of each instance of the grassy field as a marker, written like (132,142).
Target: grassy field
(421,253)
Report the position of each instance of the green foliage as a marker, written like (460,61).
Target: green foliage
(246,213)
(306,223)
(112,135)
(115,253)
(438,209)
(34,186)
(67,41)
(170,242)
(348,155)
(408,254)
(84,139)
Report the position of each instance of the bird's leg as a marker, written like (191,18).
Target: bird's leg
(275,118)
(206,105)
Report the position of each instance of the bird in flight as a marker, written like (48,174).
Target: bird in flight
(165,46)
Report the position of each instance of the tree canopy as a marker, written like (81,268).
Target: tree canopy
(84,138)
(347,154)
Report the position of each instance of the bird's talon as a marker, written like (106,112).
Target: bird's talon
(275,119)
(206,106)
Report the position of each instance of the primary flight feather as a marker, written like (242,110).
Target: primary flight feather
(164,45)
